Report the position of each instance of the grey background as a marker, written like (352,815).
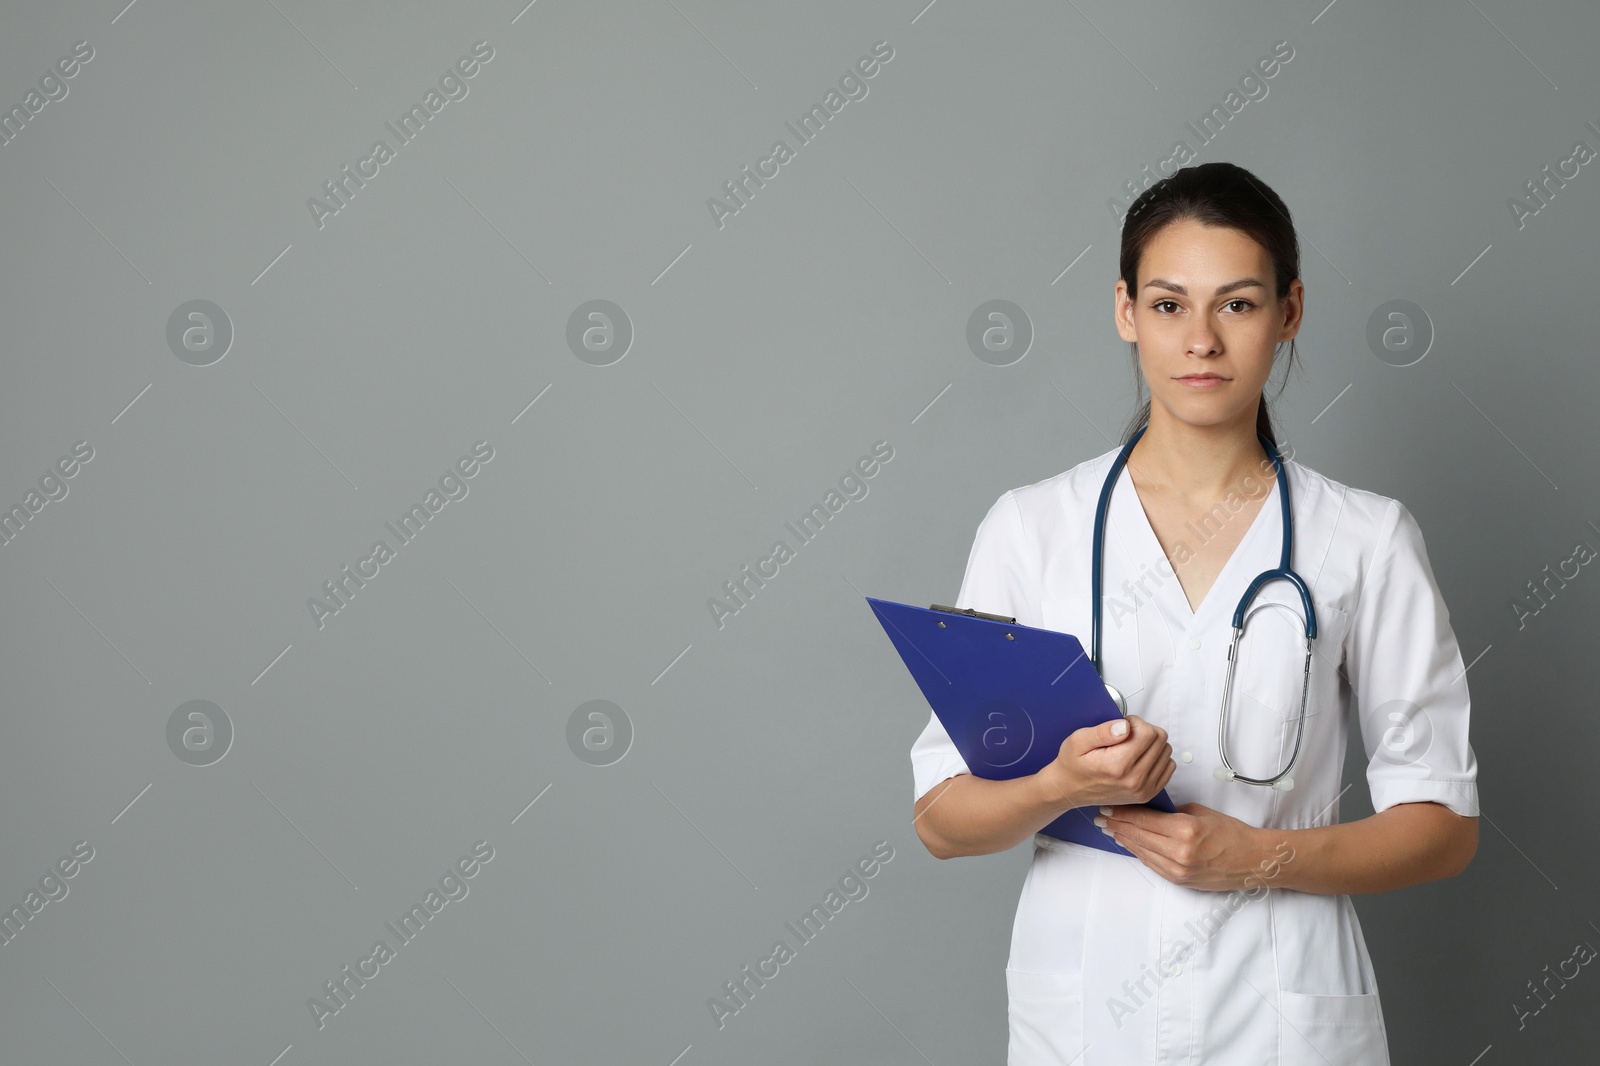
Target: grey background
(770,754)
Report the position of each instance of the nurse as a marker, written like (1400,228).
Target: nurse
(1230,936)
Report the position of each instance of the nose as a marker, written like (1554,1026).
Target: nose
(1202,338)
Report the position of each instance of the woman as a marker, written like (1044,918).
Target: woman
(1229,935)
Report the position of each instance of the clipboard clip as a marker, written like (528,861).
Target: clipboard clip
(970,613)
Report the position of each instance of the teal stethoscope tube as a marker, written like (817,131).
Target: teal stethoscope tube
(1281,780)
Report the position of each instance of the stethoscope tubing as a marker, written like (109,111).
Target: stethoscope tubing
(1284,572)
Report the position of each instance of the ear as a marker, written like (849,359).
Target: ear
(1125,329)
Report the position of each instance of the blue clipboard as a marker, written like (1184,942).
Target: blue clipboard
(1007,694)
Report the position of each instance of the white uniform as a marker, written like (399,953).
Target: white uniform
(1111,963)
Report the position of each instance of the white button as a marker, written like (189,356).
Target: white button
(1187,757)
(1176,969)
(1194,642)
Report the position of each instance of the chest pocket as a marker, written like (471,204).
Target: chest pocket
(1269,677)
(1119,652)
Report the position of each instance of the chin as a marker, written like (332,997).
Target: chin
(1201,408)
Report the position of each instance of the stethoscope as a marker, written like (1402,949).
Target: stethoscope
(1281,780)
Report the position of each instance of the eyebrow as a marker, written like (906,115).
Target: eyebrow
(1242,283)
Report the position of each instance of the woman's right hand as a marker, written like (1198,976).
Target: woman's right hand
(1096,765)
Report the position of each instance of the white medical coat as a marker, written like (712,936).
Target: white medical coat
(1110,963)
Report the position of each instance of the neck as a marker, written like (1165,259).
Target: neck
(1203,462)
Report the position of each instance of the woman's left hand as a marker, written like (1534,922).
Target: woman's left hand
(1197,847)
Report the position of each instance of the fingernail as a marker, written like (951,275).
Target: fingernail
(1119,728)
(1106,811)
(1101,822)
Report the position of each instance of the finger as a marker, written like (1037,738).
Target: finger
(1146,833)
(1126,765)
(1144,853)
(1142,736)
(1133,817)
(1121,816)
(1146,765)
(1141,727)
(1119,759)
(1104,735)
(1161,773)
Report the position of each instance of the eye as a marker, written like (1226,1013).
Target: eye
(1158,304)
(1240,300)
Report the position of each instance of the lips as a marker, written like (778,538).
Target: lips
(1202,377)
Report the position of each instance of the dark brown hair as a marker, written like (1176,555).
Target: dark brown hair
(1213,194)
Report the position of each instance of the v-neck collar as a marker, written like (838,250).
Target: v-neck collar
(1138,539)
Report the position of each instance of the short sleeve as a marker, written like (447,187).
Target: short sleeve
(1406,670)
(1000,579)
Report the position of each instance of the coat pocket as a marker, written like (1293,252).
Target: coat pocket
(1331,1030)
(1045,1018)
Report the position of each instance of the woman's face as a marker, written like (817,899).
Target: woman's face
(1205,305)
